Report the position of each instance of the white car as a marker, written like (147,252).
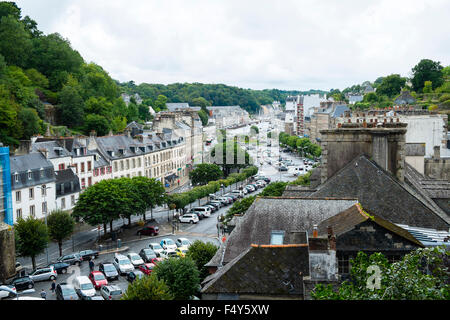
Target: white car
(83,286)
(156,247)
(168,243)
(188,218)
(183,243)
(238,193)
(6,294)
(135,259)
(122,264)
(169,253)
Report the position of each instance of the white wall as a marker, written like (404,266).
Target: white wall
(25,201)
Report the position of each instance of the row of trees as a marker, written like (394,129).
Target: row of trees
(111,199)
(32,235)
(302,145)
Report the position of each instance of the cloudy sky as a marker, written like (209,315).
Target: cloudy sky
(258,44)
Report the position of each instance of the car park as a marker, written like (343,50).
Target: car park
(135,259)
(182,243)
(148,231)
(168,243)
(146,268)
(43,274)
(98,279)
(122,264)
(109,271)
(84,286)
(60,267)
(146,254)
(23,283)
(189,218)
(87,255)
(111,292)
(155,247)
(72,259)
(133,275)
(7,294)
(65,291)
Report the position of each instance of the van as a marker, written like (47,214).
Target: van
(205,211)
(298,171)
(83,286)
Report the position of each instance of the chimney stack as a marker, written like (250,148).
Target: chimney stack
(315,232)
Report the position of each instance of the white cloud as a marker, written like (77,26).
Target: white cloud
(255,44)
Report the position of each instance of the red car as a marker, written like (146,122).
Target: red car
(148,231)
(154,261)
(146,268)
(98,279)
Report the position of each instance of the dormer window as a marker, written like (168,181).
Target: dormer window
(29,175)
(142,149)
(16,177)
(277,237)
(41,172)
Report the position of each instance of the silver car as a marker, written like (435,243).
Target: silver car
(43,274)
(111,292)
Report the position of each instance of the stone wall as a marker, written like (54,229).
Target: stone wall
(7,253)
(438,168)
(385,144)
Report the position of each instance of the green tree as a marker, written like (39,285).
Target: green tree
(31,238)
(370,97)
(427,70)
(274,189)
(152,192)
(10,128)
(428,87)
(15,45)
(254,129)
(133,112)
(420,275)
(60,227)
(148,288)
(239,207)
(203,117)
(160,102)
(30,122)
(201,252)
(97,123)
(118,124)
(204,173)
(391,85)
(71,107)
(181,275)
(200,102)
(9,9)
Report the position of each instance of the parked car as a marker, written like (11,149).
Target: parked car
(250,188)
(146,254)
(232,196)
(43,274)
(189,218)
(83,286)
(111,292)
(148,231)
(213,208)
(133,275)
(155,247)
(245,191)
(135,259)
(93,298)
(65,291)
(168,243)
(205,211)
(239,193)
(156,260)
(183,242)
(98,279)
(87,255)
(73,259)
(147,268)
(60,267)
(23,283)
(169,253)
(7,294)
(181,251)
(108,270)
(282,168)
(215,204)
(122,264)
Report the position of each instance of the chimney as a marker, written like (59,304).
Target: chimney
(44,152)
(315,232)
(24,148)
(437,152)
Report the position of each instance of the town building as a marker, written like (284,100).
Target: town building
(228,116)
(322,118)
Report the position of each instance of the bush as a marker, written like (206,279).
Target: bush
(148,288)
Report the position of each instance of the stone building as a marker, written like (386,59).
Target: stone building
(322,118)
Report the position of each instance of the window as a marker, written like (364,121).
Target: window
(18,214)
(43,190)
(133,163)
(277,237)
(89,166)
(115,167)
(62,188)
(344,264)
(102,171)
(128,164)
(32,211)
(82,167)
(42,172)
(89,181)
(29,175)
(16,178)
(76,167)
(63,203)
(95,172)
(31,193)
(72,200)
(139,162)
(18,196)
(61,166)
(83,183)
(121,165)
(44,207)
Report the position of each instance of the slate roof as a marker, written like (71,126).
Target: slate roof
(51,147)
(32,162)
(405,98)
(351,217)
(265,270)
(382,194)
(117,142)
(428,237)
(70,181)
(284,213)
